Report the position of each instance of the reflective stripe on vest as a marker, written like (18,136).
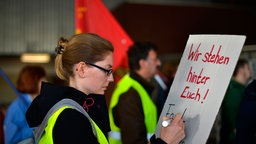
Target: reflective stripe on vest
(47,136)
(117,135)
(149,108)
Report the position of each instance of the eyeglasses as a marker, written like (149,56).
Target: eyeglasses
(107,71)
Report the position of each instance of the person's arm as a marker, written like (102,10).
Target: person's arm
(233,104)
(11,124)
(154,140)
(10,132)
(172,134)
(131,119)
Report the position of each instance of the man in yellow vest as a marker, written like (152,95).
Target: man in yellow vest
(133,114)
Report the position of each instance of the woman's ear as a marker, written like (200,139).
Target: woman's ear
(81,68)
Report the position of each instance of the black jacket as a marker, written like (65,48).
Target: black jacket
(246,123)
(71,125)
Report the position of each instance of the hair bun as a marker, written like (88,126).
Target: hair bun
(61,45)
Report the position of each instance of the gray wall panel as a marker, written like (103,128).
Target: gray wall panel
(33,25)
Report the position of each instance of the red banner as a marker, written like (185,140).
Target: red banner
(93,16)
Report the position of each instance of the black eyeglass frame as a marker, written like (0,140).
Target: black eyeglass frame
(107,71)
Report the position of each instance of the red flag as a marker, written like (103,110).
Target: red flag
(93,16)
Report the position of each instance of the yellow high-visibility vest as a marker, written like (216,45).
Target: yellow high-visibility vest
(47,135)
(149,108)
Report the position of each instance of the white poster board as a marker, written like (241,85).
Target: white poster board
(200,83)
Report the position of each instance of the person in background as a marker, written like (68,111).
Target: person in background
(85,61)
(1,127)
(169,70)
(29,81)
(162,82)
(231,102)
(133,114)
(3,109)
(160,92)
(246,126)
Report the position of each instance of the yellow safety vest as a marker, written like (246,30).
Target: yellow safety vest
(47,135)
(149,108)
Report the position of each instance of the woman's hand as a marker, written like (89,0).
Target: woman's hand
(174,132)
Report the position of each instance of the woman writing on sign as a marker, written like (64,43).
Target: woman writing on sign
(85,61)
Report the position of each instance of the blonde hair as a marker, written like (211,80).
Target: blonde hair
(80,47)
